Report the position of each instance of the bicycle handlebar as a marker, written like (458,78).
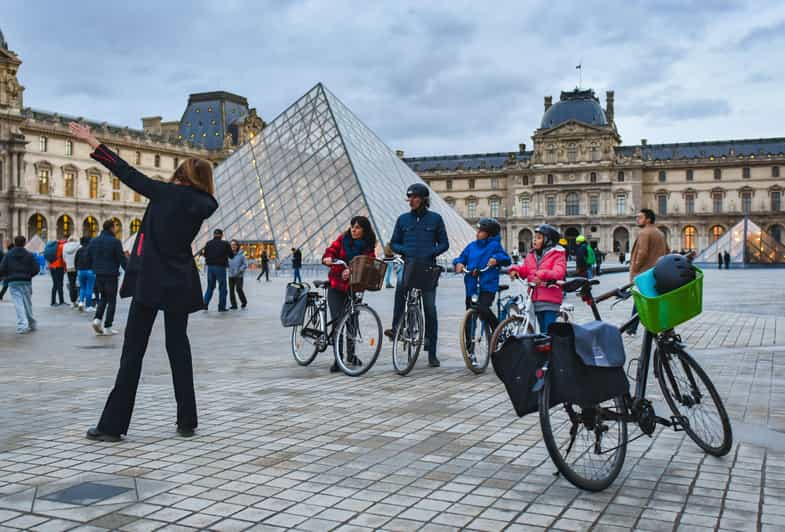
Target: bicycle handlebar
(623,292)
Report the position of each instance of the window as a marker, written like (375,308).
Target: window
(550,206)
(621,205)
(593,177)
(115,189)
(524,201)
(745,172)
(595,153)
(525,180)
(93,179)
(550,179)
(620,176)
(662,204)
(157,161)
(175,162)
(572,153)
(69,147)
(550,154)
(449,184)
(716,232)
(43,180)
(594,205)
(746,202)
(136,224)
(69,177)
(572,204)
(689,201)
(775,171)
(137,197)
(495,203)
(494,183)
(662,176)
(775,200)
(689,237)
(716,200)
(471,208)
(717,174)
(138,157)
(450,202)
(43,143)
(471,184)
(690,175)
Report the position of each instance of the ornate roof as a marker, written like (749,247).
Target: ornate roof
(207,117)
(473,161)
(705,150)
(579,105)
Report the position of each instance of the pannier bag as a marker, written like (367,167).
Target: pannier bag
(516,365)
(294,305)
(586,363)
(367,273)
(421,275)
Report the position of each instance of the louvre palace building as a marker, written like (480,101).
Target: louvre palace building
(579,177)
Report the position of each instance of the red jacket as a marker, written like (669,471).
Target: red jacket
(553,267)
(58,262)
(338,251)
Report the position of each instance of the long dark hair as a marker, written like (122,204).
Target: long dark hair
(368,235)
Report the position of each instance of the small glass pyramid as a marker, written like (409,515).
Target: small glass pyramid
(300,181)
(759,248)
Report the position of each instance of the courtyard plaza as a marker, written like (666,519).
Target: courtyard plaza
(283,446)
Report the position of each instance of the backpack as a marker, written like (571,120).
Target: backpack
(50,251)
(590,255)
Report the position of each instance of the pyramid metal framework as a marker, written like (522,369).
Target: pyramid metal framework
(300,181)
(746,243)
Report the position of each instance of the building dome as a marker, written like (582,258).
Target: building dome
(581,106)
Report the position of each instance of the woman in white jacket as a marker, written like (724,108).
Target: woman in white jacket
(69,256)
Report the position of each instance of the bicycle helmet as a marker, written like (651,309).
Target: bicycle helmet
(490,226)
(550,233)
(419,190)
(581,239)
(671,272)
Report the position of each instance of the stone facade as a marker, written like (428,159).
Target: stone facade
(579,177)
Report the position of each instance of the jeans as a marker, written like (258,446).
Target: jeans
(107,288)
(57,283)
(297,278)
(429,306)
(484,302)
(116,416)
(86,286)
(216,274)
(236,284)
(388,275)
(545,318)
(22,294)
(73,290)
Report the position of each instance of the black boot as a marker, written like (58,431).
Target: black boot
(433,361)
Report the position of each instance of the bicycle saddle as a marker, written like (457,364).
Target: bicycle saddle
(321,284)
(503,287)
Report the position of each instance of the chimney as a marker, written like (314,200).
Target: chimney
(644,142)
(609,107)
(152,125)
(521,148)
(399,154)
(548,102)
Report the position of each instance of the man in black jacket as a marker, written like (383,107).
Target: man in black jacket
(107,257)
(216,256)
(18,267)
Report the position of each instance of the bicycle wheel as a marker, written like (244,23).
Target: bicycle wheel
(690,393)
(512,326)
(587,444)
(305,337)
(475,341)
(407,341)
(358,340)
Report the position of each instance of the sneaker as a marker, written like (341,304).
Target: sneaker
(23,331)
(89,309)
(110,332)
(96,435)
(81,306)
(97,327)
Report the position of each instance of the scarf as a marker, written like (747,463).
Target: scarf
(353,247)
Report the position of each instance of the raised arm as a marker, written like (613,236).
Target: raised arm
(136,180)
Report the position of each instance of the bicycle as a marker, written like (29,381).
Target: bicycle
(594,467)
(358,327)
(523,320)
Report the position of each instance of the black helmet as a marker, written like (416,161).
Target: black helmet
(419,190)
(671,272)
(490,226)
(550,233)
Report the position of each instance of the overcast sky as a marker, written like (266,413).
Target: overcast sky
(428,77)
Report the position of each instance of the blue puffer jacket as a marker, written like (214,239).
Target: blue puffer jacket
(420,236)
(476,257)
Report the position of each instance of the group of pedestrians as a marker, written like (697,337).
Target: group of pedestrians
(224,259)
(723,258)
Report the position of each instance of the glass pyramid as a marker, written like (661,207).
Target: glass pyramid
(759,248)
(300,181)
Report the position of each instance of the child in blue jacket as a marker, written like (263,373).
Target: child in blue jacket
(486,251)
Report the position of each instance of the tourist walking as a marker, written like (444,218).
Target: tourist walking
(649,246)
(582,266)
(297,263)
(69,257)
(719,260)
(18,267)
(264,265)
(237,266)
(216,255)
(726,259)
(167,281)
(53,253)
(85,275)
(106,257)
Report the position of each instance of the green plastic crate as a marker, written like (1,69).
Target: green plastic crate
(662,312)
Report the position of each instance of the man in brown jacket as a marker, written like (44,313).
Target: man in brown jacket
(649,247)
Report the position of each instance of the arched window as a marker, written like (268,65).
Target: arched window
(550,179)
(118,227)
(90,227)
(572,204)
(136,224)
(716,232)
(65,226)
(689,235)
(36,225)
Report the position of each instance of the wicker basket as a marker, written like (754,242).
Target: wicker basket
(367,273)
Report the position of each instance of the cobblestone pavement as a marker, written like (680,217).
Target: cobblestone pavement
(282,446)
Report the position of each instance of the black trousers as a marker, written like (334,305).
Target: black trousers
(57,283)
(236,283)
(117,413)
(107,290)
(336,301)
(73,290)
(265,271)
(484,303)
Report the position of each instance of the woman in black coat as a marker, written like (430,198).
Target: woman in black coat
(161,275)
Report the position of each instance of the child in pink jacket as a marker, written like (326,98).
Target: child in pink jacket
(546,262)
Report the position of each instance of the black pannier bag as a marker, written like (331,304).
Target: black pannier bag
(516,365)
(421,274)
(294,305)
(593,371)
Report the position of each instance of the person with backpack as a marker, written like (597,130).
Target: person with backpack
(582,266)
(53,253)
(18,268)
(85,276)
(106,258)
(69,257)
